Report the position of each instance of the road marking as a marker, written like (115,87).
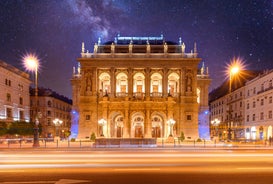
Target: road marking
(61,181)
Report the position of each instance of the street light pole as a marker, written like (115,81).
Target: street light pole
(31,63)
(57,122)
(233,70)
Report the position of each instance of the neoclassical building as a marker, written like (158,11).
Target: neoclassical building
(140,87)
(14,94)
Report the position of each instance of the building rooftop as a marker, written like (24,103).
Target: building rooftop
(237,83)
(50,93)
(140,47)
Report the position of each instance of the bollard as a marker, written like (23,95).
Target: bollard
(68,143)
(162,142)
(174,143)
(204,143)
(193,143)
(57,143)
(80,143)
(215,143)
(45,143)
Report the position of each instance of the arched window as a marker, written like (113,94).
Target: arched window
(173,84)
(121,84)
(139,85)
(49,103)
(156,84)
(104,83)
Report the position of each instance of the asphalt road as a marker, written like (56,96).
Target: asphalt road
(136,166)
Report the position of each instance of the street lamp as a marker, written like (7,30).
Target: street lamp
(31,63)
(171,122)
(102,123)
(233,69)
(57,122)
(215,123)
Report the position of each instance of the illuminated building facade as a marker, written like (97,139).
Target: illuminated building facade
(140,87)
(14,94)
(259,107)
(51,106)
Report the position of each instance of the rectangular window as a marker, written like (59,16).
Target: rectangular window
(9,113)
(21,115)
(254,104)
(87,117)
(49,113)
(188,117)
(253,117)
(247,118)
(8,97)
(262,116)
(270,114)
(21,101)
(270,99)
(262,102)
(48,122)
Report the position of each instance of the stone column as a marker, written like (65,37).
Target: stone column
(147,124)
(113,82)
(147,83)
(165,82)
(130,82)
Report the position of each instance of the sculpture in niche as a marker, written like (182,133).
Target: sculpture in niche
(189,81)
(88,78)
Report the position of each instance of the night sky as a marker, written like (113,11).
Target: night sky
(55,29)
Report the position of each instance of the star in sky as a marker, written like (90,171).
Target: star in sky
(54,30)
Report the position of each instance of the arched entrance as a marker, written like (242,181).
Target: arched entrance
(157,123)
(247,134)
(269,132)
(119,126)
(137,126)
(261,132)
(253,133)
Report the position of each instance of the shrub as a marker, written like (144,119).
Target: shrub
(93,137)
(199,140)
(182,137)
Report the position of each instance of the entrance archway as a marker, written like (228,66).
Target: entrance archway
(157,123)
(119,126)
(137,126)
(269,132)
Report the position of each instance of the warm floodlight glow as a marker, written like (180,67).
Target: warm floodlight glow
(31,62)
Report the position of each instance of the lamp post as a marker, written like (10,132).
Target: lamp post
(57,122)
(31,63)
(171,122)
(102,123)
(233,69)
(215,124)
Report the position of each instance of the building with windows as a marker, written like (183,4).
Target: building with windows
(259,107)
(14,94)
(234,113)
(51,107)
(140,87)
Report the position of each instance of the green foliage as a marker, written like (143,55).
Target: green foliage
(182,137)
(3,128)
(199,140)
(93,137)
(20,128)
(73,140)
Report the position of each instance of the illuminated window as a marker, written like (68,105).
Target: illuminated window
(104,83)
(139,83)
(173,83)
(87,117)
